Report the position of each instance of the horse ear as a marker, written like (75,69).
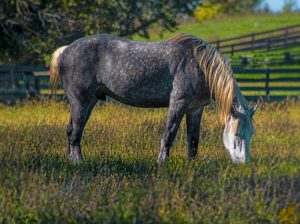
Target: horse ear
(253,110)
(236,114)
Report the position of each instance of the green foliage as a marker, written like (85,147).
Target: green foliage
(208,11)
(289,5)
(120,182)
(236,6)
(31,29)
(211,8)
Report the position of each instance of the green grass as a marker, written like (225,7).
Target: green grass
(231,26)
(225,27)
(120,182)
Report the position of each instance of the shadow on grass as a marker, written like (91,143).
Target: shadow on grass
(92,166)
(56,166)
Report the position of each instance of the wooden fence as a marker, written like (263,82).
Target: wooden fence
(17,82)
(265,60)
(272,39)
(272,84)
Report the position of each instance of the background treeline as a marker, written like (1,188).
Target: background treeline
(31,29)
(211,8)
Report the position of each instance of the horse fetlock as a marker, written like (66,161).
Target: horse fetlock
(192,154)
(162,157)
(75,154)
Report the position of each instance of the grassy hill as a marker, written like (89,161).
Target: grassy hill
(225,27)
(244,24)
(230,26)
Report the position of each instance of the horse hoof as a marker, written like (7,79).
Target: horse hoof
(161,160)
(162,157)
(75,157)
(192,157)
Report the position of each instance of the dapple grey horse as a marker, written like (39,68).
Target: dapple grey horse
(183,73)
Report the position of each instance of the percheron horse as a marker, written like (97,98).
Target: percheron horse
(183,73)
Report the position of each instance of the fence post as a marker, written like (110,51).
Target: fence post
(267,82)
(37,85)
(286,34)
(11,72)
(269,44)
(13,93)
(27,83)
(288,57)
(232,49)
(218,44)
(252,41)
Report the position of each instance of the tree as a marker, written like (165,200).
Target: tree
(289,5)
(31,29)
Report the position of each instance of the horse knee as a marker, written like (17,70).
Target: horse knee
(69,130)
(74,138)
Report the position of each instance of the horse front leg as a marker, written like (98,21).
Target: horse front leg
(193,119)
(177,109)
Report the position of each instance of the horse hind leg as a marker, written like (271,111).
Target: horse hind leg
(69,132)
(81,109)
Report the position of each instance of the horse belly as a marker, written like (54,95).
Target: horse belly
(145,92)
(137,75)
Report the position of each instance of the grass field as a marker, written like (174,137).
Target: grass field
(230,26)
(225,27)
(120,182)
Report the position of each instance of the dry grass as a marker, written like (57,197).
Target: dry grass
(120,182)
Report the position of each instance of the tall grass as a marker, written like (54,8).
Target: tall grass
(120,182)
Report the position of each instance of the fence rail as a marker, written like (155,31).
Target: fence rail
(272,39)
(263,60)
(18,82)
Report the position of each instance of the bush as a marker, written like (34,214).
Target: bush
(207,11)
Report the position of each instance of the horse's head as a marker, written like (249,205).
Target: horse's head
(238,132)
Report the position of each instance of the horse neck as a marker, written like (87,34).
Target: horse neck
(241,100)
